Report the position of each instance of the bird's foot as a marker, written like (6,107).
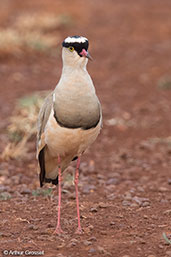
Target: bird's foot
(79,231)
(58,231)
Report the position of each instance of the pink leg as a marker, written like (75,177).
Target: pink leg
(79,230)
(58,227)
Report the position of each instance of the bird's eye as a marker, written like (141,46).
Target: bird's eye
(71,48)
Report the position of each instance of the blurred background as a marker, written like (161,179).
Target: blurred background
(130,42)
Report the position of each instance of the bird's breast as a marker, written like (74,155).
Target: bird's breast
(77,111)
(66,141)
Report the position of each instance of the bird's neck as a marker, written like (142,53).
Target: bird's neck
(73,71)
(75,79)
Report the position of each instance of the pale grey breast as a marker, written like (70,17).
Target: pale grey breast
(81,111)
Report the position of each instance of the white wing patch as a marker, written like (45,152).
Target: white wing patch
(76,40)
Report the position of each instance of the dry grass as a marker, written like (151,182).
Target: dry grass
(32,32)
(23,125)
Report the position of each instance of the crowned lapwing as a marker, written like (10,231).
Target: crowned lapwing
(69,120)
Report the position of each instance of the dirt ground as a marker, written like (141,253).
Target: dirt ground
(125,177)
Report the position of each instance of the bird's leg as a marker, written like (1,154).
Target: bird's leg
(58,229)
(79,230)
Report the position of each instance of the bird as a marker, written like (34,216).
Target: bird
(69,120)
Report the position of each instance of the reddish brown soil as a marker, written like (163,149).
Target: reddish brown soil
(125,180)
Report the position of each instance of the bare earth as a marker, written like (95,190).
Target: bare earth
(125,177)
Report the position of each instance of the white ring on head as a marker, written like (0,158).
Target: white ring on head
(75,40)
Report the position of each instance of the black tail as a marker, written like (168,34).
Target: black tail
(42,178)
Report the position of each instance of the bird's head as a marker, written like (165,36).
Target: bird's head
(75,51)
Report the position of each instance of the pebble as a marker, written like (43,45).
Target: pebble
(91,250)
(151,255)
(142,241)
(25,190)
(93,238)
(161,246)
(112,223)
(128,196)
(140,189)
(100,176)
(72,243)
(88,188)
(167,212)
(169,181)
(60,255)
(141,201)
(134,205)
(103,205)
(5,196)
(101,249)
(162,189)
(93,209)
(126,256)
(111,196)
(145,204)
(4,188)
(49,225)
(103,233)
(31,226)
(126,203)
(168,253)
(113,181)
(86,243)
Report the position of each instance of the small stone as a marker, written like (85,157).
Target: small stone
(145,217)
(91,227)
(50,225)
(74,240)
(91,250)
(93,238)
(86,243)
(93,209)
(169,181)
(111,196)
(5,196)
(128,196)
(163,189)
(126,203)
(119,216)
(126,256)
(142,241)
(103,233)
(32,227)
(151,255)
(72,243)
(167,212)
(88,188)
(140,189)
(103,205)
(112,223)
(113,181)
(168,253)
(60,255)
(145,204)
(134,205)
(164,201)
(25,191)
(4,188)
(161,246)
(101,249)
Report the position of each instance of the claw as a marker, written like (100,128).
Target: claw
(79,231)
(58,231)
